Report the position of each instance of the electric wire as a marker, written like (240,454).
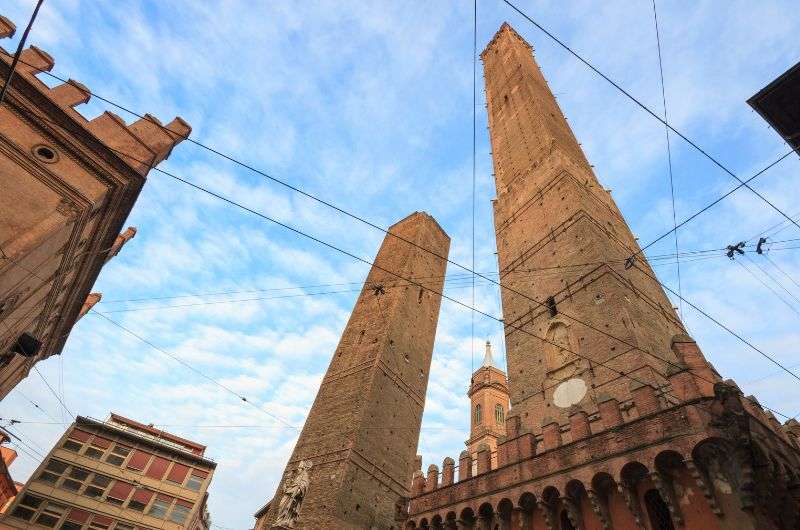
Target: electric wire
(21,46)
(35,405)
(647,109)
(774,280)
(743,183)
(766,231)
(458,302)
(193,369)
(367,262)
(669,155)
(542,304)
(369,223)
(782,271)
(52,391)
(22,442)
(769,287)
(723,326)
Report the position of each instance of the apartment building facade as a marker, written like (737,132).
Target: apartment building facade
(117,474)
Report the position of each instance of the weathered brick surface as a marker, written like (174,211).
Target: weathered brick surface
(362,431)
(560,235)
(658,441)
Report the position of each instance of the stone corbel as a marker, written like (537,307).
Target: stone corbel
(573,512)
(663,484)
(599,508)
(519,519)
(629,494)
(747,485)
(547,511)
(704,486)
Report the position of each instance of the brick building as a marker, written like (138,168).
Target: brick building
(116,475)
(617,420)
(8,487)
(356,452)
(67,186)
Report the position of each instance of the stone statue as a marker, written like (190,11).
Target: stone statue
(293,493)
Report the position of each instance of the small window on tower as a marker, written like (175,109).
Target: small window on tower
(498,414)
(551,306)
(478,415)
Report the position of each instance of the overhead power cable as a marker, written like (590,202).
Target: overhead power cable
(52,391)
(22,442)
(364,221)
(767,286)
(193,369)
(782,271)
(647,109)
(333,247)
(669,156)
(458,302)
(36,405)
(721,325)
(321,201)
(299,232)
(774,280)
(20,47)
(361,219)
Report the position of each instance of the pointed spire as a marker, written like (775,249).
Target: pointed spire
(487,357)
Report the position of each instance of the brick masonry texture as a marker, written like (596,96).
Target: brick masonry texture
(617,420)
(67,184)
(363,428)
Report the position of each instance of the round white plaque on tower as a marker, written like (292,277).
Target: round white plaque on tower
(569,393)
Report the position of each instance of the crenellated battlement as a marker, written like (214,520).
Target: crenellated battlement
(141,144)
(68,184)
(607,446)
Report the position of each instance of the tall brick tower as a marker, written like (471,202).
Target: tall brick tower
(488,395)
(617,420)
(361,434)
(552,214)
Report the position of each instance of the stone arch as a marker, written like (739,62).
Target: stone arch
(603,483)
(468,515)
(669,465)
(423,524)
(485,510)
(564,522)
(527,501)
(714,462)
(633,472)
(504,510)
(550,494)
(575,488)
(437,522)
(668,461)
(410,525)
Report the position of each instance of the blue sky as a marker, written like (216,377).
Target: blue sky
(368,105)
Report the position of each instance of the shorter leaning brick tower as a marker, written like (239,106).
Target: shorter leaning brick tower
(617,420)
(356,452)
